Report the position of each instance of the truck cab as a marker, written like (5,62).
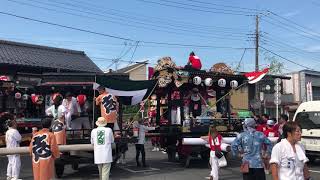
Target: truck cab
(308,116)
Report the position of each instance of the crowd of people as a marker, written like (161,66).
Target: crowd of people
(259,156)
(286,159)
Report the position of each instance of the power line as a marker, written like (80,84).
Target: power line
(296,24)
(286,58)
(206,7)
(137,24)
(285,45)
(64,26)
(227,6)
(188,7)
(239,64)
(165,21)
(134,51)
(287,26)
(117,37)
(162,20)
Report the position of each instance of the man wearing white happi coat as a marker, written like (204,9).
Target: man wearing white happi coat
(13,139)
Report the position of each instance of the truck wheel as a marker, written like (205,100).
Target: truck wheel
(59,170)
(75,166)
(187,162)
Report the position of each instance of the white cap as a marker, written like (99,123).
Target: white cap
(270,122)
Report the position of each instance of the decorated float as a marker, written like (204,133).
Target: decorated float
(187,101)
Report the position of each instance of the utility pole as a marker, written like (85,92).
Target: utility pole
(257,42)
(257,92)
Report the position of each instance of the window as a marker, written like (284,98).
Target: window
(308,120)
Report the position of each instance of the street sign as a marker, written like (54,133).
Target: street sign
(277,81)
(277,88)
(277,94)
(277,101)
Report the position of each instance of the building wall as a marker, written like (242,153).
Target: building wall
(240,99)
(139,73)
(298,82)
(288,85)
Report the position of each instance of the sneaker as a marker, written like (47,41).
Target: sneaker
(157,149)
(154,149)
(9,178)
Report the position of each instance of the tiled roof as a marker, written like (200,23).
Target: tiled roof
(130,68)
(15,53)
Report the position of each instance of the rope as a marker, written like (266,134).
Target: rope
(222,97)
(143,102)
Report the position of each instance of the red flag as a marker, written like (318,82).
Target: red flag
(150,72)
(256,76)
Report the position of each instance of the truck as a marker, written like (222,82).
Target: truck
(308,116)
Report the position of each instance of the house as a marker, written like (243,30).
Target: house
(137,71)
(246,98)
(23,65)
(304,85)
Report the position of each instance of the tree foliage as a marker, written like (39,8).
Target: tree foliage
(275,67)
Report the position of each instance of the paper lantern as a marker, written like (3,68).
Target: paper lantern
(25,97)
(197,80)
(17,95)
(234,84)
(37,99)
(208,82)
(222,82)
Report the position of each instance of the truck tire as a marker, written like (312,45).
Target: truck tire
(59,170)
(75,166)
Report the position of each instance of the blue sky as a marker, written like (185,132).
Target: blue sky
(291,30)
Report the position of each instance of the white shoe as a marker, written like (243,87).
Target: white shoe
(9,178)
(154,149)
(158,149)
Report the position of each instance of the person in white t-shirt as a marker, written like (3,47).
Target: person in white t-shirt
(288,159)
(102,139)
(13,139)
(141,141)
(72,108)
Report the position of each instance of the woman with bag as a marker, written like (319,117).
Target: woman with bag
(214,139)
(248,145)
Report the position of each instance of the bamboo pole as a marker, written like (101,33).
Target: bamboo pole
(62,148)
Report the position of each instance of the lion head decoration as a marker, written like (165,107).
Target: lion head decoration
(221,68)
(165,70)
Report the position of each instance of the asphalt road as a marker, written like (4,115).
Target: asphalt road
(159,169)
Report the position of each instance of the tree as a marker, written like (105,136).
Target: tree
(275,67)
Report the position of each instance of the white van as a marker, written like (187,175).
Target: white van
(308,116)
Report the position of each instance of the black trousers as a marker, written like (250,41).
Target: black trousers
(255,174)
(140,149)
